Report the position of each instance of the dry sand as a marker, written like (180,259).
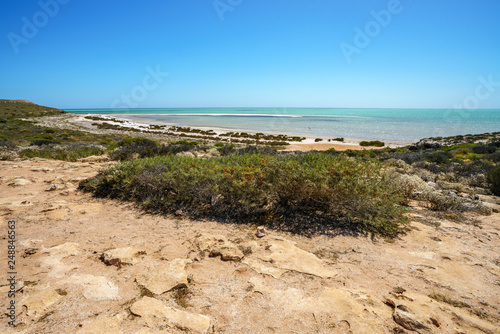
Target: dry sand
(274,284)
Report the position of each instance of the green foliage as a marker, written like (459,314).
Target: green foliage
(373,143)
(132,148)
(339,139)
(67,152)
(302,193)
(318,140)
(219,144)
(493,179)
(185,142)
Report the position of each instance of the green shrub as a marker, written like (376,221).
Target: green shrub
(373,143)
(7,144)
(219,144)
(68,152)
(484,149)
(318,140)
(339,139)
(185,142)
(303,193)
(493,179)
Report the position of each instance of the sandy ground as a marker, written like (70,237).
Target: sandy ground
(276,285)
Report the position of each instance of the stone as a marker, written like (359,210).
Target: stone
(101,325)
(38,301)
(62,251)
(155,313)
(159,277)
(409,321)
(261,232)
(95,287)
(218,245)
(283,254)
(19,182)
(121,256)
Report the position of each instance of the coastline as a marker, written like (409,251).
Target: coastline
(309,142)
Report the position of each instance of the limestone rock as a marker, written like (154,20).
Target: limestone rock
(159,277)
(53,264)
(39,300)
(19,182)
(155,313)
(62,251)
(96,287)
(101,325)
(410,321)
(283,254)
(218,245)
(120,256)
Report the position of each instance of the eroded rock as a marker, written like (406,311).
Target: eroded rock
(121,256)
(37,301)
(159,277)
(218,245)
(155,313)
(96,287)
(283,254)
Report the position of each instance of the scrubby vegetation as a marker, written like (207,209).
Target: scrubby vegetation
(66,152)
(493,179)
(302,193)
(373,143)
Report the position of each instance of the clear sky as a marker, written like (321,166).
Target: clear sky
(251,53)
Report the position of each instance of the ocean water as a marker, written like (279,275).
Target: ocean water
(397,125)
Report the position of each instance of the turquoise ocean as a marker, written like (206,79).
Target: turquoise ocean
(397,125)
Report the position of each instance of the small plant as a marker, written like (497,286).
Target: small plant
(373,143)
(182,296)
(318,140)
(339,139)
(219,144)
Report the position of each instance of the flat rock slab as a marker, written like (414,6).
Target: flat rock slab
(62,251)
(96,287)
(159,276)
(39,300)
(283,254)
(53,264)
(101,325)
(218,245)
(155,313)
(351,307)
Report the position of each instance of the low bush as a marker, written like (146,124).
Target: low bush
(493,179)
(303,193)
(373,143)
(7,144)
(133,148)
(338,139)
(484,149)
(68,152)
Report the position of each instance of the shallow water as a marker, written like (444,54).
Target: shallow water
(400,125)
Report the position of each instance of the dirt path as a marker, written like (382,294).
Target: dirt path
(273,284)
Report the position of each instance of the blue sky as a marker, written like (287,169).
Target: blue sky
(251,53)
